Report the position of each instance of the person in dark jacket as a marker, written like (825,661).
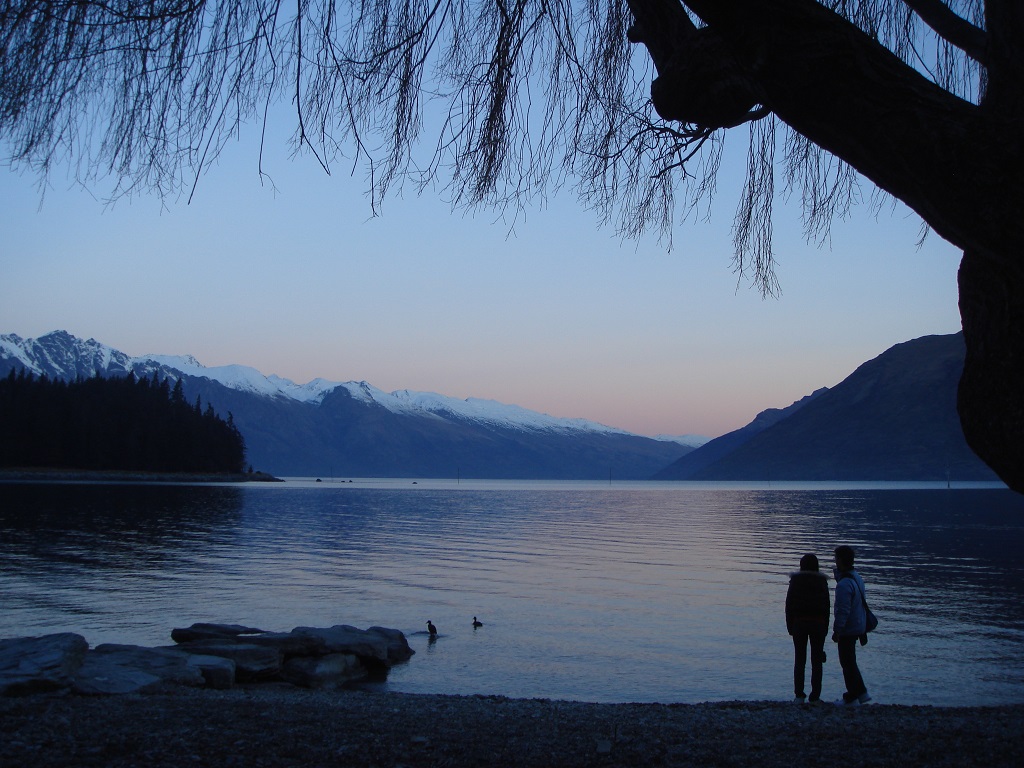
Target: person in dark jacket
(850,625)
(807,615)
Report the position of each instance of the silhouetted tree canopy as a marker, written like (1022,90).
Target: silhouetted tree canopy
(125,424)
(499,102)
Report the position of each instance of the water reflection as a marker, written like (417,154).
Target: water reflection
(113,526)
(76,557)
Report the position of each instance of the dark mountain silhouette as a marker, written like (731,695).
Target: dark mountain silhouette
(894,418)
(709,453)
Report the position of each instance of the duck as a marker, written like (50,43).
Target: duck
(477,623)
(431,628)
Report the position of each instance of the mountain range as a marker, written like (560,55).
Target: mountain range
(354,429)
(894,418)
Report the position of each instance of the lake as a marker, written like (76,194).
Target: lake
(591,591)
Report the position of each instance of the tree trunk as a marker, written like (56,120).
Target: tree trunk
(991,395)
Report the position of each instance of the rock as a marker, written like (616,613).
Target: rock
(345,639)
(377,644)
(111,669)
(45,663)
(204,631)
(169,664)
(398,646)
(290,644)
(100,675)
(218,672)
(215,655)
(252,662)
(334,669)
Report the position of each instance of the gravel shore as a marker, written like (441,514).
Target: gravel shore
(274,726)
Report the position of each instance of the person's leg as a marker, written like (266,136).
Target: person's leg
(851,674)
(817,659)
(799,661)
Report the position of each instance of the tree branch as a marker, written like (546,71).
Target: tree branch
(698,82)
(662,26)
(850,95)
(952,28)
(750,117)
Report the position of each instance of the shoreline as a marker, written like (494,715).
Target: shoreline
(29,475)
(272,726)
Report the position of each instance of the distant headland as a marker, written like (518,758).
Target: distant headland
(36,475)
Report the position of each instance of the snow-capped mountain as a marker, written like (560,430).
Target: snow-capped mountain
(405,401)
(62,355)
(357,429)
(894,418)
(239,377)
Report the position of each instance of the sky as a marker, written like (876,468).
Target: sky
(560,316)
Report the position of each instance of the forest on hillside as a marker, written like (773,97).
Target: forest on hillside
(124,424)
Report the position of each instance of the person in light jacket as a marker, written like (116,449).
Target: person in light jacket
(807,612)
(850,625)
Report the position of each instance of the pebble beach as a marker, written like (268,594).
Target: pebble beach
(283,726)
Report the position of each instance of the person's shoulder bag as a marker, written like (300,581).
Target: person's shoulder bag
(870,620)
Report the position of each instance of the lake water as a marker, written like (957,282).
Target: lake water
(589,591)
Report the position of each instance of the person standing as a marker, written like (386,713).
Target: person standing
(807,614)
(850,625)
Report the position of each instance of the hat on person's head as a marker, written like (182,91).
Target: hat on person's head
(808,563)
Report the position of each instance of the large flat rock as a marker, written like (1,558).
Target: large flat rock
(44,663)
(386,646)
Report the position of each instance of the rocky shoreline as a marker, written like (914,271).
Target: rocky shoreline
(216,656)
(229,695)
(272,726)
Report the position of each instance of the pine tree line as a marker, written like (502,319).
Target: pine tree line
(126,424)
